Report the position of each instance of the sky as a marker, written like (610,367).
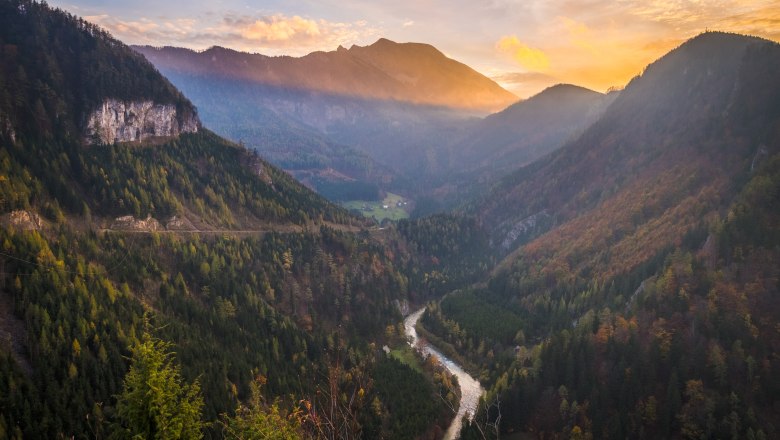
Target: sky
(524,45)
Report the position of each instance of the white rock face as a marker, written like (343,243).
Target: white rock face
(118,121)
(130,223)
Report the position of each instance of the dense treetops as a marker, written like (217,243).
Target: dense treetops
(692,352)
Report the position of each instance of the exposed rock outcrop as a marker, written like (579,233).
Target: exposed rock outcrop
(119,121)
(22,220)
(177,223)
(263,172)
(130,223)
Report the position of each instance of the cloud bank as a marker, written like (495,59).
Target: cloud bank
(275,34)
(592,43)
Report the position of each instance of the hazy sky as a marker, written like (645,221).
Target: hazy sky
(525,45)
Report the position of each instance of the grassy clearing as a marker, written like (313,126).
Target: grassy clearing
(386,209)
(406,355)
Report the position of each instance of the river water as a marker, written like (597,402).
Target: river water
(470,389)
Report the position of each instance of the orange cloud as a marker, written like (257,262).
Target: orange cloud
(280,28)
(528,57)
(602,56)
(599,44)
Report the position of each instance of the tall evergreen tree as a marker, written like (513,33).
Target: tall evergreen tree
(155,402)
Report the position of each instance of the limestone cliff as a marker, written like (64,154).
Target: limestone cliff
(119,121)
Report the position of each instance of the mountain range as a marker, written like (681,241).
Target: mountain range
(608,265)
(419,142)
(385,71)
(631,245)
(398,104)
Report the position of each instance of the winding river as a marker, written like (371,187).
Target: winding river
(470,389)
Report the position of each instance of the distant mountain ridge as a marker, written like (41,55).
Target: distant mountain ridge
(243,96)
(404,72)
(706,101)
(397,105)
(528,129)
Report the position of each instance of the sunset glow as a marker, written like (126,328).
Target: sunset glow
(524,45)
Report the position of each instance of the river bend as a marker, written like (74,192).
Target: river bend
(470,388)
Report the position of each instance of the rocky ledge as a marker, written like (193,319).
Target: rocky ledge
(119,121)
(151,224)
(22,220)
(130,223)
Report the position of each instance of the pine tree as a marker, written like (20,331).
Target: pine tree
(156,403)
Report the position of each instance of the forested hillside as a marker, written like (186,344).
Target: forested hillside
(526,131)
(685,128)
(640,293)
(55,68)
(256,302)
(691,352)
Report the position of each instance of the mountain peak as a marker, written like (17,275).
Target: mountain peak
(704,69)
(386,47)
(710,39)
(555,95)
(385,70)
(707,50)
(382,41)
(565,89)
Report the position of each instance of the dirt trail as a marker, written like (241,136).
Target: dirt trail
(283,228)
